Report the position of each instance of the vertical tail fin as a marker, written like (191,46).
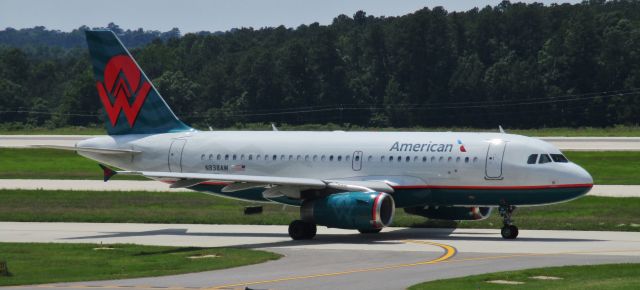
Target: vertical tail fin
(132,103)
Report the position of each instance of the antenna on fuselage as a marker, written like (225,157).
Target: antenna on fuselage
(501,130)
(273,127)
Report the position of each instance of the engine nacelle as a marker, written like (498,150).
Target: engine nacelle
(456,213)
(350,210)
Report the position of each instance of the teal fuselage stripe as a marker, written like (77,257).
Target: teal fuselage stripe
(439,196)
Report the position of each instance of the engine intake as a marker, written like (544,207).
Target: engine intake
(457,213)
(350,210)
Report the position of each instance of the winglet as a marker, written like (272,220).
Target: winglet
(107,172)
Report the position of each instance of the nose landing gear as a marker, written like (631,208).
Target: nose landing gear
(509,231)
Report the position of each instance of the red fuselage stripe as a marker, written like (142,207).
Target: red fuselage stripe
(490,187)
(463,187)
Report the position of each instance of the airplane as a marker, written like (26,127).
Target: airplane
(348,180)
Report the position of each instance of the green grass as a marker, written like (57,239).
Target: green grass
(612,276)
(615,131)
(609,167)
(48,263)
(26,163)
(587,213)
(605,167)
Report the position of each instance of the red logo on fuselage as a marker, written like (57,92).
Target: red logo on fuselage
(123,81)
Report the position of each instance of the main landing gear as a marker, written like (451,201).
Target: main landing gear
(509,231)
(301,230)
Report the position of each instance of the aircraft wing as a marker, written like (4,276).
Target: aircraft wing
(275,184)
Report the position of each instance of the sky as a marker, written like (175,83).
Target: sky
(208,15)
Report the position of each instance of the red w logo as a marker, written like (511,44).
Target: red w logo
(121,83)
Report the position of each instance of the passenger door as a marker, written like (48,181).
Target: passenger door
(495,154)
(175,155)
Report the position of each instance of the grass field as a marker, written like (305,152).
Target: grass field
(611,276)
(587,213)
(616,131)
(24,163)
(606,167)
(48,263)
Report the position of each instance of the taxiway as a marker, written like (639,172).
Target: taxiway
(338,259)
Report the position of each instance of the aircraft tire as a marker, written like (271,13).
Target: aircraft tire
(301,230)
(509,232)
(369,231)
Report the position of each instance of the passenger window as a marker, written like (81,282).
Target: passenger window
(475,159)
(382,158)
(275,157)
(407,159)
(210,156)
(242,157)
(466,160)
(315,157)
(424,159)
(433,159)
(399,158)
(532,159)
(544,158)
(357,158)
(250,156)
(559,158)
(449,159)
(219,157)
(330,157)
(202,157)
(457,159)
(347,158)
(390,158)
(441,159)
(226,157)
(369,159)
(258,156)
(290,157)
(234,157)
(306,158)
(299,157)
(323,158)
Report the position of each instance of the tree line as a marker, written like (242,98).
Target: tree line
(519,65)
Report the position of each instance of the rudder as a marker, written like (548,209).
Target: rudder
(131,102)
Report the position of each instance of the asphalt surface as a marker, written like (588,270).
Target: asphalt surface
(338,259)
(563,143)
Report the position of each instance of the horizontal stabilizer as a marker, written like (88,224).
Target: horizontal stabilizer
(88,149)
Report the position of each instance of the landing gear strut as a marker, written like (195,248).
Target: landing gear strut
(509,231)
(301,230)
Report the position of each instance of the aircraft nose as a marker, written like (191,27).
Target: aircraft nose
(580,175)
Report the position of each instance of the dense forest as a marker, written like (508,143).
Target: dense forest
(519,65)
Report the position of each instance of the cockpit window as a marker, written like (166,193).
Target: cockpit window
(532,159)
(544,158)
(559,158)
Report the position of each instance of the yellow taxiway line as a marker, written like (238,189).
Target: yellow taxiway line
(449,251)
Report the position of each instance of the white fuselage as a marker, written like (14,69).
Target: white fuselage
(405,159)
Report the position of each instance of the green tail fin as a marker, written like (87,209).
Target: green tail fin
(132,104)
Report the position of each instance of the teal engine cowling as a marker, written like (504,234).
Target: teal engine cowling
(350,210)
(457,213)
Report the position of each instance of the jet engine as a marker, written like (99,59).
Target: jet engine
(457,213)
(350,210)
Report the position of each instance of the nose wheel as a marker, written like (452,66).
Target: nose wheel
(301,230)
(509,230)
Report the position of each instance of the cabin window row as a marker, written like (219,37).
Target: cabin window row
(339,158)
